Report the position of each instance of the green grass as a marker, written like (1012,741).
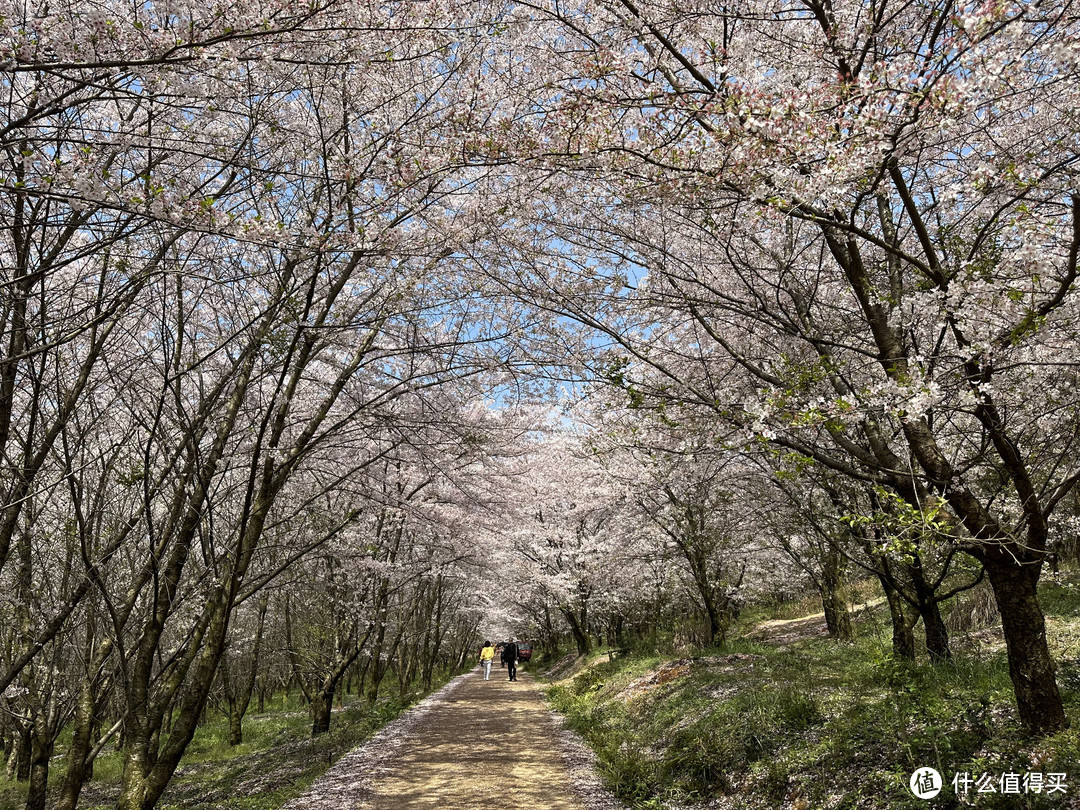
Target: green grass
(822,724)
(277,761)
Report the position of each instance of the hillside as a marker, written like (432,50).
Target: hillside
(796,720)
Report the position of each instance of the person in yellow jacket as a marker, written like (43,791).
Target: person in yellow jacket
(486,656)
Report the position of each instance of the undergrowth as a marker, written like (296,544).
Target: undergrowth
(277,761)
(820,724)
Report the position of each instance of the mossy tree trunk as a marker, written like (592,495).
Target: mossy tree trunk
(41,751)
(903,637)
(79,757)
(831,581)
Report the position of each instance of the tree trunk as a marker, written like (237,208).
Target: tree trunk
(236,725)
(581,637)
(937,636)
(41,749)
(149,764)
(903,639)
(22,755)
(361,684)
(78,752)
(431,653)
(406,668)
(715,627)
(1030,665)
(12,757)
(320,712)
(378,670)
(837,616)
(240,699)
(620,631)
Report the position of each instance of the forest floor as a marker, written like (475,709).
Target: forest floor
(277,761)
(784,717)
(471,744)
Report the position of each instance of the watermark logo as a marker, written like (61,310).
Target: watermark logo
(926,783)
(1011,782)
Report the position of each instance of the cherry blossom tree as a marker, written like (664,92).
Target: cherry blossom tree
(694,494)
(871,212)
(568,541)
(240,231)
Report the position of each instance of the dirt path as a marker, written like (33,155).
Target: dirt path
(783,632)
(471,743)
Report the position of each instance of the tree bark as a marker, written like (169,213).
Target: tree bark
(21,753)
(378,666)
(716,629)
(837,616)
(78,753)
(937,636)
(149,765)
(1030,665)
(41,749)
(240,699)
(320,712)
(903,639)
(581,637)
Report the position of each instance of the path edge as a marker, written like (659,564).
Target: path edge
(580,761)
(347,785)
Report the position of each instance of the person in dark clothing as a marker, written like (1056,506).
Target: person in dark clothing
(510,657)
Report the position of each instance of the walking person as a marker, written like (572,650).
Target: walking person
(486,656)
(510,657)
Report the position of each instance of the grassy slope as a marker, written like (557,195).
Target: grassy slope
(810,723)
(277,761)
